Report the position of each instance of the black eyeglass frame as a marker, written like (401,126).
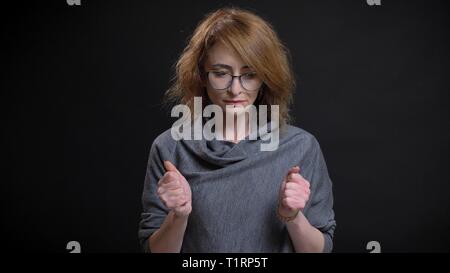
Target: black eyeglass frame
(231,81)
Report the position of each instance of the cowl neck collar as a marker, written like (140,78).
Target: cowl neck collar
(222,152)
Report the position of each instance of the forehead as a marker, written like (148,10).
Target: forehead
(222,54)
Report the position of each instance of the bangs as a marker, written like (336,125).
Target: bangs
(245,39)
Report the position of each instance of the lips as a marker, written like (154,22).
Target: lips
(235,101)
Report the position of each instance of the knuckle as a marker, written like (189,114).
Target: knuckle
(288,203)
(286,193)
(171,175)
(164,201)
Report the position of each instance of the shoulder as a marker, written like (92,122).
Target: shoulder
(300,136)
(164,144)
(306,147)
(300,142)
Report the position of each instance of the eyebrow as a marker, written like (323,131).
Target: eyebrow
(218,65)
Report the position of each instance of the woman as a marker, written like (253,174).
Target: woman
(227,194)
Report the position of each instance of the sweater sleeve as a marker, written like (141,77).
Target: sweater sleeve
(319,208)
(153,210)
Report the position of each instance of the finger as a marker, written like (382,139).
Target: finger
(294,177)
(293,203)
(175,192)
(173,185)
(295,169)
(307,183)
(170,167)
(292,186)
(286,193)
(298,196)
(295,174)
(183,206)
(298,183)
(294,193)
(291,171)
(283,187)
(299,190)
(161,190)
(175,202)
(307,191)
(293,190)
(298,179)
(176,199)
(168,202)
(287,202)
(168,177)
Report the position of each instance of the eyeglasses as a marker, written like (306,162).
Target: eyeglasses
(221,81)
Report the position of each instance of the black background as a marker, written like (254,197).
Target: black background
(81,106)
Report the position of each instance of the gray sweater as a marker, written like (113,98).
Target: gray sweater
(235,191)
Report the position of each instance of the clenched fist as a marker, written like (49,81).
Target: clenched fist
(174,191)
(294,193)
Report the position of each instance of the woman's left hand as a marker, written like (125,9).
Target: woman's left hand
(294,193)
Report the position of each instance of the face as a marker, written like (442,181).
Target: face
(222,62)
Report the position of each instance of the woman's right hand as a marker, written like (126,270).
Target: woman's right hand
(174,191)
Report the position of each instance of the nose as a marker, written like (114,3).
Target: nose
(235,87)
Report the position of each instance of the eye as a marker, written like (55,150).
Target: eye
(219,74)
(250,75)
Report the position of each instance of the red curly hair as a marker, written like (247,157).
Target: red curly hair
(254,40)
